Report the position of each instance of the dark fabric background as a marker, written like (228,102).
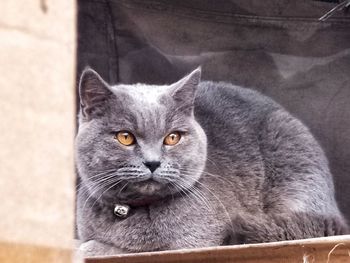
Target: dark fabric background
(275,46)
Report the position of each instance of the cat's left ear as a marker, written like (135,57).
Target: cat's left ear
(184,91)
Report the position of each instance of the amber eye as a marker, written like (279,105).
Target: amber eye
(125,138)
(172,139)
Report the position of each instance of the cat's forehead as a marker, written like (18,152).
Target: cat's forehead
(144,107)
(143,94)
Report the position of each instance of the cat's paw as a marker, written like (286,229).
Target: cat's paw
(335,226)
(96,248)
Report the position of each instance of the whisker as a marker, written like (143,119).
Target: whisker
(102,174)
(120,191)
(96,183)
(223,206)
(210,160)
(197,194)
(95,188)
(113,185)
(213,194)
(216,176)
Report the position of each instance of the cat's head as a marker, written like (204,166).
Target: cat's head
(138,141)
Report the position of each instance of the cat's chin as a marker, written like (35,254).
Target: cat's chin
(144,193)
(147,188)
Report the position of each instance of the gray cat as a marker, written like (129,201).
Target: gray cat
(199,164)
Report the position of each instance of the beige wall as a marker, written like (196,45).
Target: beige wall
(37,78)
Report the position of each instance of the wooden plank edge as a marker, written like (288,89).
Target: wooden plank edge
(327,250)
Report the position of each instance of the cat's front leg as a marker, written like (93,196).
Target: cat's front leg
(96,248)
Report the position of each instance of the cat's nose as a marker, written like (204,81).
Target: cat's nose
(152,166)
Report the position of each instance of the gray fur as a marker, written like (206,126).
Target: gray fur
(245,170)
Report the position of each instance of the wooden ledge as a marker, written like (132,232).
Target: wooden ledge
(317,250)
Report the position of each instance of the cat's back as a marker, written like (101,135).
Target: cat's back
(225,101)
(247,129)
(222,90)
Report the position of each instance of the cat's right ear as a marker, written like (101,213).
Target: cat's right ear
(183,92)
(93,93)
